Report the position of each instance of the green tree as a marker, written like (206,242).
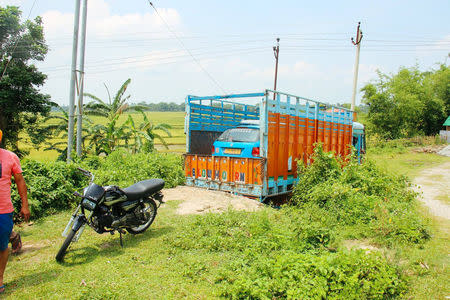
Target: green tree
(440,81)
(21,103)
(406,104)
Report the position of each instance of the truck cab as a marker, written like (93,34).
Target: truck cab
(359,139)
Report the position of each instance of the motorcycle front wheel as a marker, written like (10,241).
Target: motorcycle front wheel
(65,245)
(148,207)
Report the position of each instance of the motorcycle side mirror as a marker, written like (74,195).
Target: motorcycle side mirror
(77,194)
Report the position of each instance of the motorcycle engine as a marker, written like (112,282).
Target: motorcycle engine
(103,219)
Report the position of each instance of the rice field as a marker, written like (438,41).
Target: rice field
(176,142)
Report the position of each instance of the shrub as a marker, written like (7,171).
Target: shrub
(360,195)
(259,232)
(124,169)
(282,254)
(290,275)
(50,187)
(377,144)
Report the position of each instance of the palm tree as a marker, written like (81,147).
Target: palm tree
(114,107)
(108,137)
(148,129)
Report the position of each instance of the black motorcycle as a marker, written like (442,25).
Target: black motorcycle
(110,209)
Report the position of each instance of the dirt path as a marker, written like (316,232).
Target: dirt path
(434,184)
(198,201)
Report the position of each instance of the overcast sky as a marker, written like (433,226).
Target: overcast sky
(231,45)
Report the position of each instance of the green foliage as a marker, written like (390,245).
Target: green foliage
(283,254)
(240,231)
(290,275)
(20,100)
(378,145)
(50,187)
(372,202)
(106,138)
(123,169)
(408,103)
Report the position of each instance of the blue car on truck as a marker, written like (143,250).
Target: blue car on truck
(242,141)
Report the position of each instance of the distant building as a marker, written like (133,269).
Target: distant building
(445,134)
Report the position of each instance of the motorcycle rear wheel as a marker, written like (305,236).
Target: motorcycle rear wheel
(65,245)
(150,208)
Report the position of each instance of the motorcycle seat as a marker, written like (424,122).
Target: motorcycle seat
(143,189)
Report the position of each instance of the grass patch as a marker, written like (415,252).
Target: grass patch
(406,163)
(98,268)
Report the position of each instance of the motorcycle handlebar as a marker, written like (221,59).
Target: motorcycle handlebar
(85,172)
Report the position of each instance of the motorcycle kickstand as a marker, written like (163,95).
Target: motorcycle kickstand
(121,240)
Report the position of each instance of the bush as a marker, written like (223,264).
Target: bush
(124,169)
(376,144)
(260,232)
(290,275)
(51,185)
(375,203)
(282,254)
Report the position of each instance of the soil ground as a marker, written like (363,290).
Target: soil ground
(198,201)
(434,184)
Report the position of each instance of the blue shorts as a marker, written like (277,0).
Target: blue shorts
(6,226)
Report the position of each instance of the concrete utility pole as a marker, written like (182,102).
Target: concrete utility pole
(73,75)
(276,51)
(359,36)
(81,70)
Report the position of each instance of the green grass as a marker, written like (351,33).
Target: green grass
(97,267)
(427,267)
(407,163)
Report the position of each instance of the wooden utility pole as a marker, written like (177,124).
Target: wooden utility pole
(357,43)
(276,52)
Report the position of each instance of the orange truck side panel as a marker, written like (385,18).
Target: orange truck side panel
(224,169)
(292,138)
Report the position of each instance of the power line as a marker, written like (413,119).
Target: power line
(185,48)
(173,59)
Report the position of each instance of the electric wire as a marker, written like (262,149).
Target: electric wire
(187,50)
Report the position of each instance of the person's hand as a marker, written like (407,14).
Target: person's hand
(25,213)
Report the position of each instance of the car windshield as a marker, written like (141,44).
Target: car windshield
(247,135)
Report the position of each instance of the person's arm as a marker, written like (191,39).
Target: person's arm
(22,188)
